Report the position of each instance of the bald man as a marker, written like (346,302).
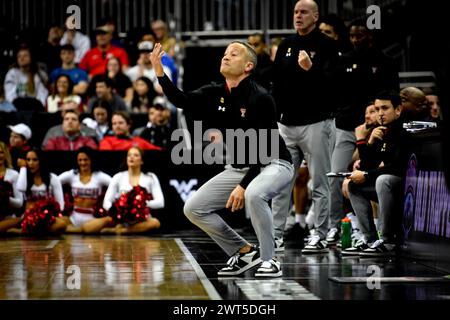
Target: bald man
(415,105)
(302,88)
(238,103)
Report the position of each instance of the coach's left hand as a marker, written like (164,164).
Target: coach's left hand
(236,200)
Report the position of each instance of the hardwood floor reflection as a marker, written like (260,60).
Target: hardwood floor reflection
(109,267)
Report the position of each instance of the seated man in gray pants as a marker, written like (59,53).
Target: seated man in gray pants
(241,105)
(382,160)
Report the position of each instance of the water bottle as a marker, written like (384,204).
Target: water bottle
(346,233)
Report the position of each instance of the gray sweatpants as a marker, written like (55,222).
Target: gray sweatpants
(314,140)
(384,192)
(342,156)
(201,208)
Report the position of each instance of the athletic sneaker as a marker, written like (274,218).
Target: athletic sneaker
(312,232)
(356,249)
(379,249)
(315,245)
(296,232)
(241,262)
(333,236)
(273,271)
(279,245)
(356,235)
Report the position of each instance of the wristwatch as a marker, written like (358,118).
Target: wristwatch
(366,175)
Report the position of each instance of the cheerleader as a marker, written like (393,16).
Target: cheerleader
(86,186)
(39,184)
(123,182)
(10,197)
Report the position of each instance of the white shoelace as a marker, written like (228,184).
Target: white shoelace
(377,244)
(233,260)
(332,232)
(360,242)
(314,240)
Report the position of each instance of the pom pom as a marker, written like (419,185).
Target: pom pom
(41,216)
(131,207)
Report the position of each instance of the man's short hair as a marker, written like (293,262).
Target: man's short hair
(260,36)
(250,52)
(108,82)
(390,95)
(75,112)
(124,115)
(67,47)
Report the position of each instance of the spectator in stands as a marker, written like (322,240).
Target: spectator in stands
(274,48)
(79,77)
(101,119)
(87,186)
(333,26)
(262,72)
(110,22)
(10,198)
(104,91)
(144,67)
(162,36)
(158,130)
(5,105)
(18,142)
(72,138)
(143,95)
(121,125)
(78,40)
(379,178)
(62,91)
(38,183)
(95,60)
(25,79)
(49,50)
(57,130)
(415,105)
(146,46)
(121,83)
(361,73)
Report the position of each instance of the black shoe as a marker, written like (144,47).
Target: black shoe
(296,232)
(333,236)
(273,271)
(359,247)
(241,262)
(316,245)
(379,249)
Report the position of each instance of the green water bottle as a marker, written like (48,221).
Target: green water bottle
(346,233)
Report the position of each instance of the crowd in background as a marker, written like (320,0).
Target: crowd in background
(95,87)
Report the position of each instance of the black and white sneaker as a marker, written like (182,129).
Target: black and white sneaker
(379,249)
(279,245)
(270,269)
(241,262)
(316,245)
(359,247)
(333,236)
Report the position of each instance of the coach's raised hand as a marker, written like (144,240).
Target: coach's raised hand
(155,58)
